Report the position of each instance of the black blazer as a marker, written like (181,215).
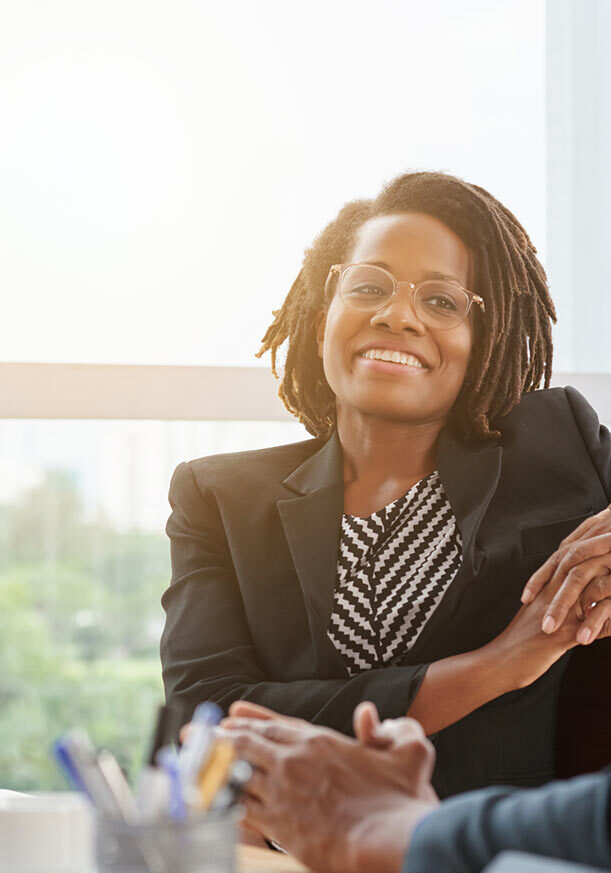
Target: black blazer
(254,543)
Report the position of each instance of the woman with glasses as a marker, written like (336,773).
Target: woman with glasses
(385,559)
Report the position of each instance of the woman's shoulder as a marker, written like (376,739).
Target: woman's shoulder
(553,445)
(247,468)
(547,407)
(558,425)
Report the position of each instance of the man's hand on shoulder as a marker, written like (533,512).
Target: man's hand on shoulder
(579,573)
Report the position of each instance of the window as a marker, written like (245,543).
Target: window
(163,168)
(83,563)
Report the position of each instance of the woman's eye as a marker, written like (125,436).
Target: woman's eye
(368,291)
(441,301)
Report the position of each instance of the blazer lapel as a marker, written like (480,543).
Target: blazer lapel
(470,473)
(312,526)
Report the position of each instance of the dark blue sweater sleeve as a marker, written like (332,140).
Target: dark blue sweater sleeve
(568,820)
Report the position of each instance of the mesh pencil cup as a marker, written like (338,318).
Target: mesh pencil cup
(201,844)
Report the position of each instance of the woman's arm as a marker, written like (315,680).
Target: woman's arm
(454,687)
(207,650)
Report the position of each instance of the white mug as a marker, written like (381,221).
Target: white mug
(50,832)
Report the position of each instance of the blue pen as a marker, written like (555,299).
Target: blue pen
(196,748)
(76,756)
(63,756)
(208,713)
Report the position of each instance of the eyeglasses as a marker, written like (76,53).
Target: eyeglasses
(438,303)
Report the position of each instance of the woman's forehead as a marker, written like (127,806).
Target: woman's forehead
(411,242)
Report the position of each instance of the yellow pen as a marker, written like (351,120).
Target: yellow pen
(215,772)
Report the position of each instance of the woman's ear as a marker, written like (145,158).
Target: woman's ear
(320,331)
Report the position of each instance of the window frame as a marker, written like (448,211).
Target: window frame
(174,393)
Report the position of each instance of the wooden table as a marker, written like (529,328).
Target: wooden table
(254,860)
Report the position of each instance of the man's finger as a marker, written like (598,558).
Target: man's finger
(572,589)
(551,570)
(279,731)
(402,730)
(366,722)
(587,535)
(540,578)
(595,591)
(246,709)
(249,745)
(581,564)
(597,623)
(586,527)
(591,526)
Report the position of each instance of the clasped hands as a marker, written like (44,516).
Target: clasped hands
(579,574)
(340,805)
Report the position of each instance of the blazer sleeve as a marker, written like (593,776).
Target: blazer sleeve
(595,436)
(568,820)
(207,652)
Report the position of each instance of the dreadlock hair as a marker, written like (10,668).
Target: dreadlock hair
(513,349)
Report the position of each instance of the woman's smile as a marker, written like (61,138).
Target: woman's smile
(400,357)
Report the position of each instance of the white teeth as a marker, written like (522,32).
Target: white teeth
(394,356)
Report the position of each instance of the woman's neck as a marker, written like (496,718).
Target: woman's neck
(382,458)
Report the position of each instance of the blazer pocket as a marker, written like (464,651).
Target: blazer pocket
(546,538)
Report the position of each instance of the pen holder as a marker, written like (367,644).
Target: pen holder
(202,844)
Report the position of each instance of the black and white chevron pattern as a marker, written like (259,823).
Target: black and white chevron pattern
(393,569)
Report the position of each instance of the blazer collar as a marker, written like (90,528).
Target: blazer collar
(321,470)
(470,474)
(312,517)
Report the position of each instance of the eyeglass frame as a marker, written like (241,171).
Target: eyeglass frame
(340,269)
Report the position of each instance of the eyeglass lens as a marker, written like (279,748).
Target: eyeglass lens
(437,303)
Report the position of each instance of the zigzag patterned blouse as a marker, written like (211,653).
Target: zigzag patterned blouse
(393,569)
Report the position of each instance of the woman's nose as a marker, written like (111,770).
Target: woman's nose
(399,313)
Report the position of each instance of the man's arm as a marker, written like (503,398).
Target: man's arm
(342,807)
(567,820)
